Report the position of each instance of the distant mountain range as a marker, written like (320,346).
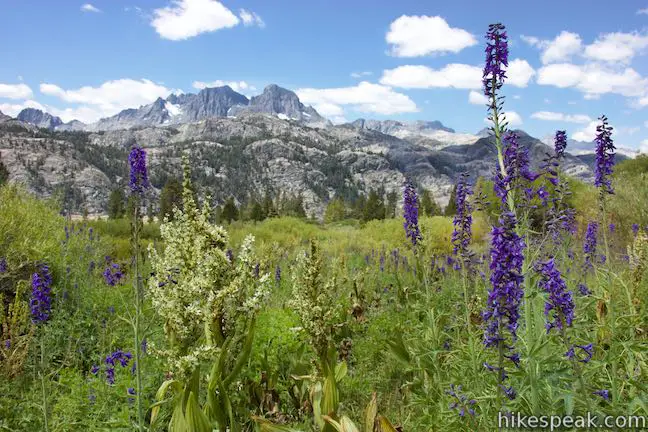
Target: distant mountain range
(244,147)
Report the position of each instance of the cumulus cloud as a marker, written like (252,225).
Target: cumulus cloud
(90,8)
(616,47)
(561,117)
(588,133)
(251,19)
(519,73)
(237,86)
(594,79)
(415,36)
(365,97)
(643,147)
(643,11)
(188,18)
(562,48)
(13,109)
(107,99)
(477,98)
(512,117)
(453,75)
(15,91)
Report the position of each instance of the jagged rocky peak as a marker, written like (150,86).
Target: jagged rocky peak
(209,102)
(393,127)
(4,116)
(39,118)
(285,104)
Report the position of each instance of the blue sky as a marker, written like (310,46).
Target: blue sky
(405,60)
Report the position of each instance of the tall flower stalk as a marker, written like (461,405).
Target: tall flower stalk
(40,307)
(411,214)
(138,185)
(462,235)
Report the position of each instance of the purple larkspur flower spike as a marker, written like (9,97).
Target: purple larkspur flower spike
(604,156)
(559,307)
(41,298)
(138,173)
(410,213)
(496,58)
(462,234)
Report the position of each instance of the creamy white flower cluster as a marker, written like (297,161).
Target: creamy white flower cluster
(198,292)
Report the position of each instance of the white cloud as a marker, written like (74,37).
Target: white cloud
(364,97)
(562,48)
(643,11)
(643,147)
(519,73)
(361,74)
(237,86)
(646,124)
(14,109)
(594,79)
(517,97)
(561,117)
(477,98)
(531,40)
(189,18)
(616,47)
(588,133)
(15,91)
(107,99)
(454,75)
(547,101)
(628,130)
(89,8)
(513,119)
(251,18)
(414,36)
(642,102)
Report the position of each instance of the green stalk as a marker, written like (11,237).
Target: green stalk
(610,306)
(44,392)
(136,324)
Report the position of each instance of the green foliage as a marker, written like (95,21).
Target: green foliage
(335,211)
(230,211)
(451,208)
(116,204)
(170,198)
(4,172)
(429,207)
(374,208)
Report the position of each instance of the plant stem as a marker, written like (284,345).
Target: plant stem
(44,392)
(608,300)
(136,325)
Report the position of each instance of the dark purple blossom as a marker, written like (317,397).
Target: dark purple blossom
(138,172)
(605,394)
(517,166)
(612,227)
(462,234)
(230,255)
(589,245)
(257,270)
(509,392)
(410,213)
(3,265)
(588,350)
(582,288)
(559,307)
(560,143)
(505,294)
(460,402)
(41,298)
(113,274)
(496,58)
(604,156)
(635,229)
(94,370)
(277,274)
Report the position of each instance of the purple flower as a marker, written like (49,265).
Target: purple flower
(635,229)
(41,301)
(604,156)
(560,143)
(587,349)
(462,234)
(516,164)
(582,288)
(460,402)
(257,269)
(3,265)
(113,274)
(144,345)
(94,370)
(410,213)
(382,261)
(605,394)
(612,227)
(589,245)
(509,392)
(230,255)
(131,391)
(138,172)
(505,294)
(496,58)
(277,274)
(559,307)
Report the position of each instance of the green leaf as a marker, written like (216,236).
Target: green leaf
(196,420)
(348,425)
(385,425)
(267,426)
(370,414)
(340,371)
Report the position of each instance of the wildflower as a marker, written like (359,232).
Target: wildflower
(138,172)
(257,269)
(462,234)
(635,229)
(496,58)
(506,293)
(560,143)
(587,349)
(604,156)
(582,288)
(278,274)
(382,261)
(131,391)
(94,370)
(230,255)
(461,403)
(3,265)
(605,394)
(144,345)
(41,302)
(560,303)
(509,392)
(612,227)
(589,245)
(410,213)
(113,274)
(516,162)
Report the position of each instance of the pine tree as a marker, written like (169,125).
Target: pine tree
(269,208)
(256,212)
(335,211)
(451,208)
(4,172)
(392,203)
(170,197)
(230,211)
(116,204)
(429,206)
(374,208)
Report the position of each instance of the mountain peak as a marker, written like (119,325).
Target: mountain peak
(39,118)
